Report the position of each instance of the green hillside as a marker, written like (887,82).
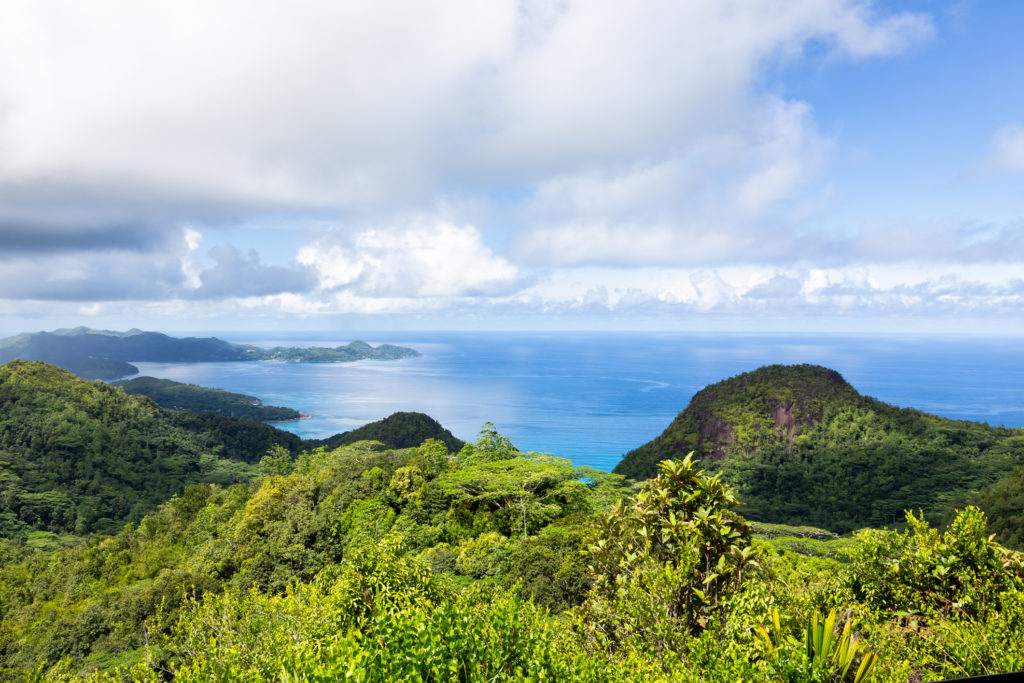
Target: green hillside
(398,430)
(802,446)
(487,564)
(179,396)
(495,565)
(78,457)
(490,513)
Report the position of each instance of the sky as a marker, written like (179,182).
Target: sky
(741,165)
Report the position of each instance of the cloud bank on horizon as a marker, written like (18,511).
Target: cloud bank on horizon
(672,162)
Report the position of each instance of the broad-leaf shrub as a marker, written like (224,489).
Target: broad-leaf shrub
(379,616)
(921,571)
(664,560)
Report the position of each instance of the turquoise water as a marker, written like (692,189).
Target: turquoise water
(593,397)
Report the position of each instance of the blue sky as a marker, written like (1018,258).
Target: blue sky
(798,165)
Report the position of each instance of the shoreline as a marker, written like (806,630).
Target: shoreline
(302,416)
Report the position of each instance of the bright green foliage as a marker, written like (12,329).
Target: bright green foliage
(990,646)
(525,491)
(489,446)
(376,617)
(829,653)
(664,561)
(922,571)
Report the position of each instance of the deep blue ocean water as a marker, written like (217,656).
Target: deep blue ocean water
(591,397)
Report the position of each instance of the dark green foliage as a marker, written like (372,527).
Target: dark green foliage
(801,446)
(80,457)
(1004,504)
(551,568)
(178,396)
(398,430)
(96,354)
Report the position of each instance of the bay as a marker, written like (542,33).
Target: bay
(592,397)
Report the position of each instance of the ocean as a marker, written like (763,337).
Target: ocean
(592,397)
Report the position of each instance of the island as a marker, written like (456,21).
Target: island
(106,354)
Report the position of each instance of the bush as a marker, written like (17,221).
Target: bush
(921,571)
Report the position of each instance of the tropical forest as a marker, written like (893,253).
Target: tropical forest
(763,536)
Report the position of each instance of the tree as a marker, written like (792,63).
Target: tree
(489,446)
(528,491)
(664,561)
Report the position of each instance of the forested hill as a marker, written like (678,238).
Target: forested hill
(179,396)
(802,446)
(398,430)
(78,457)
(102,354)
(494,565)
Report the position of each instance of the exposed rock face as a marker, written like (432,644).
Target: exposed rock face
(773,404)
(717,432)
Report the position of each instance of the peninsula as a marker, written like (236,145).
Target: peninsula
(105,354)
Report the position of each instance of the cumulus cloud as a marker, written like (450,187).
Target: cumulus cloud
(241,275)
(721,198)
(96,276)
(758,290)
(629,134)
(780,286)
(337,104)
(428,259)
(27,236)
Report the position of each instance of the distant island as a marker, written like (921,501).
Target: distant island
(105,354)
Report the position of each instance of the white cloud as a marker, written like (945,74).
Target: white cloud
(91,276)
(610,83)
(195,109)
(244,275)
(633,134)
(428,259)
(259,103)
(883,290)
(1007,149)
(732,196)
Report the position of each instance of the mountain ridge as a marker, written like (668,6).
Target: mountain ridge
(106,354)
